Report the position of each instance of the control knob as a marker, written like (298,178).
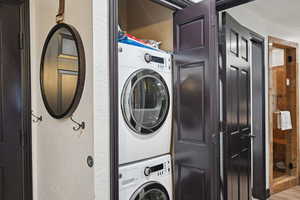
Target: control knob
(148,58)
(147,171)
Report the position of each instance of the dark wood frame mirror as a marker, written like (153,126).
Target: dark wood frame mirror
(81,71)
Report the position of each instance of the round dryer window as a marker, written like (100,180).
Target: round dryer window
(145,101)
(151,191)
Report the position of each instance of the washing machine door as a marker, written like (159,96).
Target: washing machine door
(151,191)
(145,101)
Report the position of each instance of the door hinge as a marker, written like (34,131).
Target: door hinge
(214,139)
(222,126)
(21,40)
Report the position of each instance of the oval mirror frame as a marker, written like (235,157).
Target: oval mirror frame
(81,71)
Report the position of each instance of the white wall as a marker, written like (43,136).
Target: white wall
(60,171)
(101,98)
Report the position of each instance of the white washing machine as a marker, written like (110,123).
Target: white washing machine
(150,179)
(145,109)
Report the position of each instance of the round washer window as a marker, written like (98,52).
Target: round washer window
(151,191)
(145,101)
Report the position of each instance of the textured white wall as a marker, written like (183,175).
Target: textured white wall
(59,154)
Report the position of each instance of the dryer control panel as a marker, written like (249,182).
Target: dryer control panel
(162,63)
(161,169)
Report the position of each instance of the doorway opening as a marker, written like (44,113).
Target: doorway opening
(283,114)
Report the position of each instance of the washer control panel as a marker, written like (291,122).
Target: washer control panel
(136,174)
(161,169)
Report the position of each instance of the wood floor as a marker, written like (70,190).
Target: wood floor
(291,194)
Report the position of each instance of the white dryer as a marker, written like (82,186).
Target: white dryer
(150,179)
(145,109)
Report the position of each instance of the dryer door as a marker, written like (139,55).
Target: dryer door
(145,101)
(151,191)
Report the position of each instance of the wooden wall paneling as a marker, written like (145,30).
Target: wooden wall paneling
(279,75)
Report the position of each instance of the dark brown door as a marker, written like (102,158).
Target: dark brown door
(196,103)
(10,104)
(237,134)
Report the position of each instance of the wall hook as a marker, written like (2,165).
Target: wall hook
(36,118)
(79,125)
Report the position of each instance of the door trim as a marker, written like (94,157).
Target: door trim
(114,99)
(26,106)
(265,194)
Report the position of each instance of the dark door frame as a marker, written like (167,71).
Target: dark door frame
(260,168)
(113,86)
(114,98)
(26,99)
(26,96)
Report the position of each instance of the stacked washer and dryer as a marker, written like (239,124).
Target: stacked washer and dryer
(145,123)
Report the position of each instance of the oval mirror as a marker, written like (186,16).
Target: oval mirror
(62,72)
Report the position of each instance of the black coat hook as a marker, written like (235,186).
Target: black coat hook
(79,125)
(36,118)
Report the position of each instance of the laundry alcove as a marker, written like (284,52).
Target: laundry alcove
(188,32)
(186,35)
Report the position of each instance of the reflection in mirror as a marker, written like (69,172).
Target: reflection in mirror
(60,72)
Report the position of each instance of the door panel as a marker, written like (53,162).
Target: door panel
(236,80)
(10,104)
(192,74)
(196,103)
